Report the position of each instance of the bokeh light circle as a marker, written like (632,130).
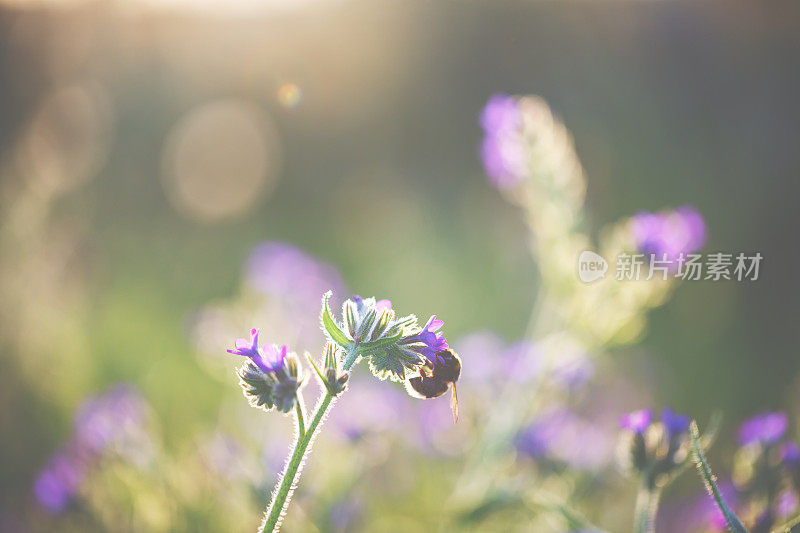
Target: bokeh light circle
(67,139)
(290,95)
(220,160)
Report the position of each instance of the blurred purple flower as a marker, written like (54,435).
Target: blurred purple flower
(228,459)
(484,351)
(344,514)
(637,421)
(383,305)
(787,503)
(109,419)
(58,483)
(790,454)
(522,361)
(368,407)
(432,340)
(573,372)
(284,271)
(697,513)
(766,428)
(672,233)
(674,424)
(116,419)
(563,435)
(433,429)
(502,150)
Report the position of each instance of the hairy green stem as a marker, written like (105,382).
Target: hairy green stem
(291,474)
(710,480)
(647,500)
(301,421)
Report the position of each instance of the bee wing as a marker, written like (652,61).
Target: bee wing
(454,404)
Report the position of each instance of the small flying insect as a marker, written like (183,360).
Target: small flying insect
(434,379)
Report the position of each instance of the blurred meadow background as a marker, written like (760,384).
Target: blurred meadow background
(173,173)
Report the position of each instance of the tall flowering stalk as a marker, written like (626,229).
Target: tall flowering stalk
(529,156)
(395,348)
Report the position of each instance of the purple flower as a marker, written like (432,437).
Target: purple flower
(368,407)
(345,514)
(766,428)
(787,503)
(523,361)
(502,150)
(58,483)
(637,421)
(674,424)
(672,233)
(790,454)
(115,419)
(273,357)
(501,114)
(383,305)
(269,358)
(284,271)
(433,340)
(380,305)
(698,512)
(112,418)
(245,347)
(574,370)
(563,435)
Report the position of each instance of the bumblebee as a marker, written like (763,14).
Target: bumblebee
(435,379)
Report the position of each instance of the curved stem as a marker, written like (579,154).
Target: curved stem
(291,473)
(301,421)
(647,500)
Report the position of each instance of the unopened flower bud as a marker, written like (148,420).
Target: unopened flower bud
(332,379)
(654,450)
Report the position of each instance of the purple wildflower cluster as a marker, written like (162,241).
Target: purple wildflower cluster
(494,362)
(431,338)
(766,428)
(766,472)
(268,358)
(286,272)
(654,450)
(766,480)
(639,421)
(369,408)
(272,377)
(561,435)
(502,150)
(636,421)
(396,348)
(111,422)
(669,233)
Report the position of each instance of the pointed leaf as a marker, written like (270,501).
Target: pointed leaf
(380,343)
(316,369)
(333,330)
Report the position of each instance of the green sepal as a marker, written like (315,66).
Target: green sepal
(330,326)
(257,387)
(392,362)
(316,369)
(380,343)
